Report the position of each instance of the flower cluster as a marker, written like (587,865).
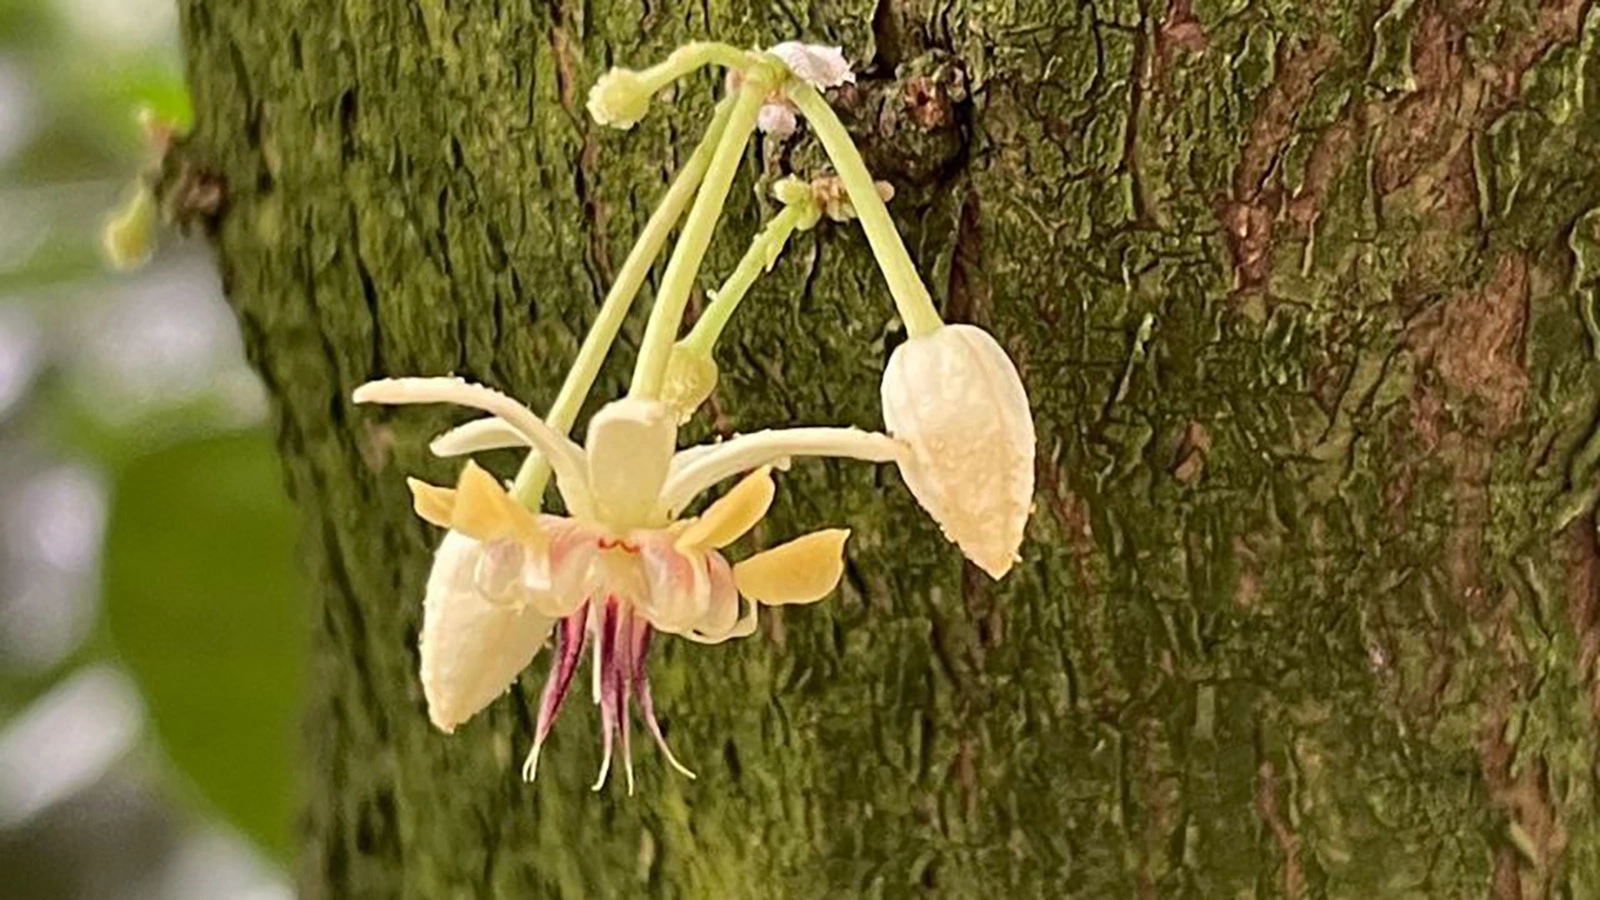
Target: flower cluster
(626,561)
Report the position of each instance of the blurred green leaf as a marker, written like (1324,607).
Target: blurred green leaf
(209,615)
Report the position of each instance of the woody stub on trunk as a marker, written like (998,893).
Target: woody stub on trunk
(1306,298)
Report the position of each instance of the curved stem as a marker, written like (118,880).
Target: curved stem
(911,296)
(693,242)
(759,258)
(689,57)
(535,472)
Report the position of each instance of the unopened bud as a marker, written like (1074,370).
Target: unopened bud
(619,99)
(834,200)
(691,377)
(129,236)
(954,398)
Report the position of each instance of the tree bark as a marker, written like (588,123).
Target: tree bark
(1305,299)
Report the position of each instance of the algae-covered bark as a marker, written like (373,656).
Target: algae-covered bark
(1305,297)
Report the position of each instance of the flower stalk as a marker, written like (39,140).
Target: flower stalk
(800,215)
(911,297)
(622,96)
(534,475)
(678,281)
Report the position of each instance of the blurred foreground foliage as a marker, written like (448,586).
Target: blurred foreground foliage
(199,596)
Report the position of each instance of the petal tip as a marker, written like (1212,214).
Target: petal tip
(445,723)
(994,568)
(433,504)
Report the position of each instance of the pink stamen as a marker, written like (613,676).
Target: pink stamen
(647,703)
(571,640)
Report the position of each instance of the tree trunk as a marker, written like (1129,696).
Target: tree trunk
(1305,299)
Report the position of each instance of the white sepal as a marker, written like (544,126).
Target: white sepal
(698,468)
(955,399)
(566,458)
(478,436)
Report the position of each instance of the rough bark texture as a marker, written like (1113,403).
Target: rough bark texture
(1305,297)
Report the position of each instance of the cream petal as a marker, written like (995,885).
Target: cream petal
(722,615)
(677,589)
(804,570)
(472,646)
(478,512)
(734,513)
(743,628)
(569,573)
(629,444)
(484,511)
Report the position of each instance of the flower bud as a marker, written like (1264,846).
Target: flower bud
(619,99)
(955,399)
(129,236)
(691,377)
(822,66)
(777,119)
(791,190)
(833,199)
(473,644)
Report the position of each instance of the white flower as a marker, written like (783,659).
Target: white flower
(621,566)
(824,67)
(820,66)
(956,400)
